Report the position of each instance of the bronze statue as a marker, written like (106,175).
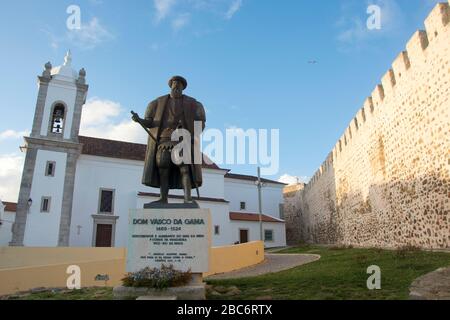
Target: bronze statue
(162,117)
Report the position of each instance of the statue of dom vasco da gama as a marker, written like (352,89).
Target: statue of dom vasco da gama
(172,161)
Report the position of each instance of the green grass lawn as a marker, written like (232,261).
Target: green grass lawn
(341,274)
(82,294)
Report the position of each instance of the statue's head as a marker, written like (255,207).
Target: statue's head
(177,84)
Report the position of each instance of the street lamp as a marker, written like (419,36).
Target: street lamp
(30,202)
(260,185)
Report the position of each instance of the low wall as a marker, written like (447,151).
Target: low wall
(230,258)
(23,268)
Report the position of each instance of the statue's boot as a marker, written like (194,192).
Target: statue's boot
(187,186)
(164,186)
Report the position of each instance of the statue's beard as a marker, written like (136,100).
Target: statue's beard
(176,93)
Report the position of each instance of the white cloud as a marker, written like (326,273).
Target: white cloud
(108,120)
(12,134)
(11,166)
(163,8)
(90,35)
(233,9)
(181,21)
(291,180)
(179,13)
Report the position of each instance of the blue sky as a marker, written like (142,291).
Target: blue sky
(246,61)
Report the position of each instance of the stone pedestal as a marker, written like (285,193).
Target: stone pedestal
(178,237)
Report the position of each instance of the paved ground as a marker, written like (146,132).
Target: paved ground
(432,286)
(273,263)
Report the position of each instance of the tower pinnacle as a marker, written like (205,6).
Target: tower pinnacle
(68,59)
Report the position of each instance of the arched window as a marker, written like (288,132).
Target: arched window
(58,119)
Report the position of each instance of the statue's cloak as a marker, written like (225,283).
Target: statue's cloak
(193,111)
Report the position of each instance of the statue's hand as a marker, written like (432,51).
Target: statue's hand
(135,118)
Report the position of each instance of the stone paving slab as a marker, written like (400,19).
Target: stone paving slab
(432,286)
(272,263)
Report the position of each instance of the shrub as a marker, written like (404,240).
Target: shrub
(341,247)
(162,278)
(405,250)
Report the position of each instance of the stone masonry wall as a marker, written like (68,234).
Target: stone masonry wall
(387,181)
(294,218)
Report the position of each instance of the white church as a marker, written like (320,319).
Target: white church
(77,191)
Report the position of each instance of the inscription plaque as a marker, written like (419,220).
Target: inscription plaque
(178,237)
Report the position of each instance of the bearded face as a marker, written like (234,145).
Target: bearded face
(177,89)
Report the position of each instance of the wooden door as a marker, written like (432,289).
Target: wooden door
(243,236)
(104,235)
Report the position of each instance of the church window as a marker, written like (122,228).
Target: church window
(268,235)
(50,169)
(106,205)
(45,204)
(243,205)
(58,119)
(216,230)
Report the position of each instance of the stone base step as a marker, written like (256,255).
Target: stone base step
(168,298)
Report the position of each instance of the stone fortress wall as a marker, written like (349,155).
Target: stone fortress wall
(386,183)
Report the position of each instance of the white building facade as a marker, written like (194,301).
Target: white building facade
(77,191)
(7,217)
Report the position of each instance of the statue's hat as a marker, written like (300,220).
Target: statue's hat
(178,78)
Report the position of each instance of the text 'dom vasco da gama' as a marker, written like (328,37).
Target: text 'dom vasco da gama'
(170,239)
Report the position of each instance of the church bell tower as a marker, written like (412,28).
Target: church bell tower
(44,207)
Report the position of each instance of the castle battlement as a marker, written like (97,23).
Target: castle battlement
(415,56)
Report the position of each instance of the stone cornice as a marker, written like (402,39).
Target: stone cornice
(45,80)
(57,145)
(105,217)
(82,87)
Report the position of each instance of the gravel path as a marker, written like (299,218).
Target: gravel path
(273,263)
(432,286)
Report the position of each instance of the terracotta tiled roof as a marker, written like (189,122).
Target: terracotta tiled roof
(10,206)
(254,217)
(251,178)
(156,195)
(119,150)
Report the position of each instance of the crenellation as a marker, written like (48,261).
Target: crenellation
(368,105)
(362,115)
(401,64)
(330,158)
(377,96)
(416,47)
(355,123)
(388,81)
(437,21)
(390,186)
